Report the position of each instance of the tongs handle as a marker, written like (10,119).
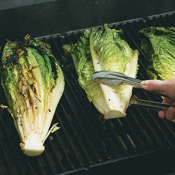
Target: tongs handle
(152,104)
(160,93)
(137,84)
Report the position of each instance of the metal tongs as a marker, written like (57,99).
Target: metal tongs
(115,78)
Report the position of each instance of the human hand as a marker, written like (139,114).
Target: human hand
(168,87)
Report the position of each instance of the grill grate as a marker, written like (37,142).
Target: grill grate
(85,141)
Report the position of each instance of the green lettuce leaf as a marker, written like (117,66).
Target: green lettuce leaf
(80,53)
(159,46)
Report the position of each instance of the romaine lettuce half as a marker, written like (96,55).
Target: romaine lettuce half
(159,46)
(33,84)
(104,49)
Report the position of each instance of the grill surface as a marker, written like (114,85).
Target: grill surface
(84,140)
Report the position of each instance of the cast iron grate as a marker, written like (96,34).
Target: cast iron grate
(84,141)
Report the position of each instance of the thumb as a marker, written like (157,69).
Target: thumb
(167,86)
(153,85)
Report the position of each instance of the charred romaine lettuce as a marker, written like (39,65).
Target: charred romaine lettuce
(104,49)
(159,46)
(33,83)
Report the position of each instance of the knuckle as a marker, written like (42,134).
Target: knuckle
(170,114)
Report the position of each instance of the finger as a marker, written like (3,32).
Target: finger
(168,86)
(167,100)
(170,113)
(162,114)
(153,85)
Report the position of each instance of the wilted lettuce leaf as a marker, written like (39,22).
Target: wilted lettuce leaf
(80,53)
(113,52)
(159,47)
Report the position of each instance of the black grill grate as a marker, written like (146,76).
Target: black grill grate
(85,141)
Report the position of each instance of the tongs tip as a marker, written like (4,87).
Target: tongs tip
(107,77)
(99,74)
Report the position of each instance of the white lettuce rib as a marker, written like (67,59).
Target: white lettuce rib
(116,98)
